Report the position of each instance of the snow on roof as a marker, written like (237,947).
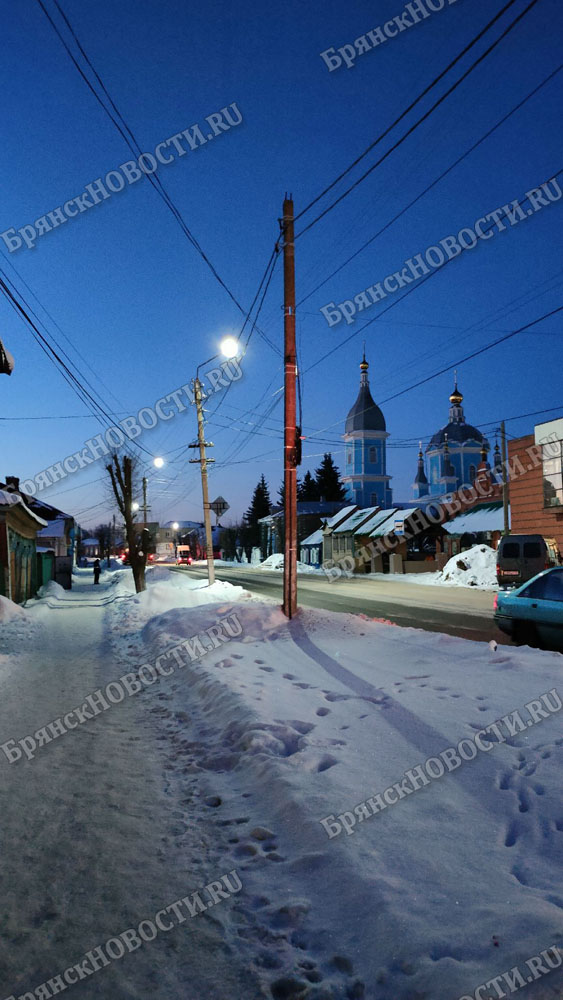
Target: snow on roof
(385,527)
(90,541)
(484,517)
(340,515)
(352,522)
(314,539)
(54,529)
(378,518)
(8,499)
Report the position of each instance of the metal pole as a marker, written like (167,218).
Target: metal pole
(203,460)
(290,421)
(504,478)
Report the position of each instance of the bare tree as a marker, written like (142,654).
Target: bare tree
(121,475)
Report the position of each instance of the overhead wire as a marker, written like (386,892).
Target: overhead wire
(423,117)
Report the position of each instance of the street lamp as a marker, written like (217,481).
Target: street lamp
(158,462)
(229,348)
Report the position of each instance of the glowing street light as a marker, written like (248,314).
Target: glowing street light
(158,462)
(135,506)
(230,347)
(175,526)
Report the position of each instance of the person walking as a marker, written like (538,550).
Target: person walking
(97,571)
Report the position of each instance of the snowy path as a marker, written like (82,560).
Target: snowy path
(91,842)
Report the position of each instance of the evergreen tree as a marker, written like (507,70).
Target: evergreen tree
(308,489)
(281,491)
(259,507)
(260,504)
(327,478)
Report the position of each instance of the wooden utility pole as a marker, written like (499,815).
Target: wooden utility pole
(290,420)
(203,460)
(144,501)
(506,530)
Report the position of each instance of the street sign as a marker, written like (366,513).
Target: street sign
(399,527)
(219,506)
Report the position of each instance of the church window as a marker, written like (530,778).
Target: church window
(349,456)
(373,500)
(373,455)
(472,473)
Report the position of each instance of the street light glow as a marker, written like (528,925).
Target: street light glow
(135,506)
(159,462)
(175,526)
(229,347)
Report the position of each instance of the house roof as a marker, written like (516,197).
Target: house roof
(314,539)
(386,525)
(90,541)
(484,517)
(54,529)
(355,520)
(8,499)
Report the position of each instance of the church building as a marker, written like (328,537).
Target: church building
(453,456)
(365,475)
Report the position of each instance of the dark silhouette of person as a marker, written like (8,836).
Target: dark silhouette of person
(97,571)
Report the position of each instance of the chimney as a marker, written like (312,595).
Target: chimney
(12,484)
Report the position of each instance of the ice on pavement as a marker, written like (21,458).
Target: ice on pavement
(232,761)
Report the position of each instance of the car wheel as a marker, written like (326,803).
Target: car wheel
(525,635)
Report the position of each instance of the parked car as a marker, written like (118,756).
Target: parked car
(520,557)
(533,613)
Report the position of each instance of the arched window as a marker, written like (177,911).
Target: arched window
(472,473)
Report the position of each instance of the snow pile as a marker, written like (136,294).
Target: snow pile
(275,562)
(293,721)
(9,610)
(168,589)
(53,590)
(474,568)
(255,556)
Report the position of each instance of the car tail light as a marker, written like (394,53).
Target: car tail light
(495,602)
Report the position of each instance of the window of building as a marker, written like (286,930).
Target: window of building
(373,455)
(349,454)
(472,473)
(373,500)
(552,478)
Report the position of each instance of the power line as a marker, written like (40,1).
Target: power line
(434,182)
(127,134)
(397,301)
(423,118)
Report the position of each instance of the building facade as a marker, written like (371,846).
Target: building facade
(453,454)
(536,482)
(365,467)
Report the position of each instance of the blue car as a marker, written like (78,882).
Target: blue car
(533,613)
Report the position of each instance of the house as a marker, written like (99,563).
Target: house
(483,523)
(56,542)
(90,548)
(19,526)
(536,482)
(310,514)
(311,549)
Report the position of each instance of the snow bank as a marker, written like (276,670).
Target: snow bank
(53,590)
(474,568)
(275,562)
(9,611)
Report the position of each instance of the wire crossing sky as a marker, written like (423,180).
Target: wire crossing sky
(129,297)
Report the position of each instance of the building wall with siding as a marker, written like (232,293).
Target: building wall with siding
(527,511)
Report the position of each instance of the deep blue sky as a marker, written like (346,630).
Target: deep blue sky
(136,301)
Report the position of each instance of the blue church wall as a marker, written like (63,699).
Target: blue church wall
(365,457)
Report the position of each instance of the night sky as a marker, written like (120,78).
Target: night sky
(141,309)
